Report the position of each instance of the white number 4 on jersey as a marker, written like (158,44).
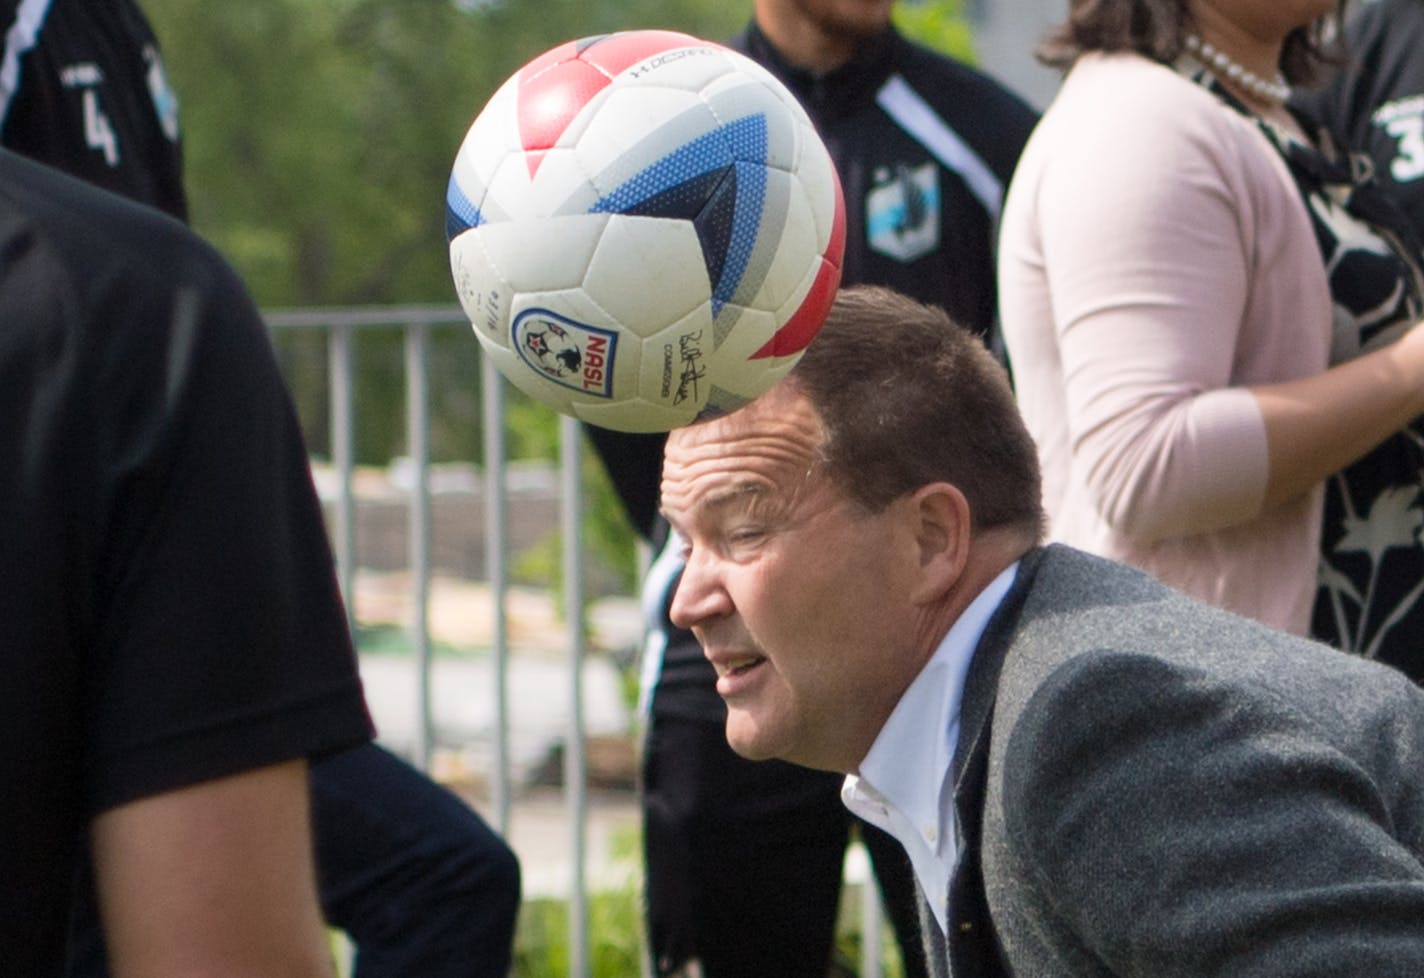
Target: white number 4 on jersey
(98,133)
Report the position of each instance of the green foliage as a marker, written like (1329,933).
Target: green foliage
(615,946)
(939,24)
(614,925)
(610,544)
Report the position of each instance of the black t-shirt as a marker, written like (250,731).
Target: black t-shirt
(924,147)
(168,598)
(1376,105)
(89,95)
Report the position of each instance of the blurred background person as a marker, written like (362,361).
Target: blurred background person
(1201,305)
(924,146)
(175,646)
(411,873)
(83,88)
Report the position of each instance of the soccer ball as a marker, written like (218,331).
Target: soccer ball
(644,229)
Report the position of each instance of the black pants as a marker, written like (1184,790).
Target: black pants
(744,860)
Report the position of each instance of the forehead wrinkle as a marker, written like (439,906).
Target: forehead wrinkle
(756,456)
(752,473)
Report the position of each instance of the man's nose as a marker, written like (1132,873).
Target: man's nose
(699,593)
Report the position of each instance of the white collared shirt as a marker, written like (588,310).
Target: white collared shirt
(903,785)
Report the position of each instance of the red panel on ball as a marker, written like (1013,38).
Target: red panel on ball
(556,86)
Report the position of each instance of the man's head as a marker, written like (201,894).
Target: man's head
(821,34)
(836,527)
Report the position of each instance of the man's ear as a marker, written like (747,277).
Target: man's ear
(941,526)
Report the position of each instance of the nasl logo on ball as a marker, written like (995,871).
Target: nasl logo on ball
(571,354)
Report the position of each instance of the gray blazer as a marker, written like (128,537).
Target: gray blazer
(1147,786)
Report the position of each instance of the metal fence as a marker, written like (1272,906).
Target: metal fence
(340,327)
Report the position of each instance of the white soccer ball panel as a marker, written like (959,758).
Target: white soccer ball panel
(511,194)
(542,254)
(654,121)
(753,329)
(819,186)
(560,186)
(675,362)
(742,68)
(483,292)
(647,271)
(732,365)
(492,136)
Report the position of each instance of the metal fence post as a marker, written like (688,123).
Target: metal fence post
(418,420)
(496,564)
(339,365)
(575,786)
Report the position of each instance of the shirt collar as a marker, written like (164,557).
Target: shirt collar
(898,768)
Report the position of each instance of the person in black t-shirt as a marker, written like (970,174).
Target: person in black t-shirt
(413,875)
(175,645)
(744,860)
(1376,104)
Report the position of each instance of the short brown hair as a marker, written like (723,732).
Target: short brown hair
(908,397)
(1157,29)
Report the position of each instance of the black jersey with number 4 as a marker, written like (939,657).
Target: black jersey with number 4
(83,88)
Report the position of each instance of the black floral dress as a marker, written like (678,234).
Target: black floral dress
(1371,596)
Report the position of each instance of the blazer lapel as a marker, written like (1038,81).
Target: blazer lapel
(973,946)
(931,937)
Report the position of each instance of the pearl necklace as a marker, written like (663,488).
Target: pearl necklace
(1270,92)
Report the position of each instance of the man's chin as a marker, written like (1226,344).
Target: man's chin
(751,744)
(751,750)
(758,743)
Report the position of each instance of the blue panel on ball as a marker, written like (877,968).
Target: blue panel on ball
(746,222)
(460,213)
(727,217)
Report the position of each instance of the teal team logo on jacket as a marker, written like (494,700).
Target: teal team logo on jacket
(165,102)
(902,211)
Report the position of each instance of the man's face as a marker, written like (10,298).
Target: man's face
(841,18)
(798,596)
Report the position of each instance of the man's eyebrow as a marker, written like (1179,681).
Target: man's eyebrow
(725,496)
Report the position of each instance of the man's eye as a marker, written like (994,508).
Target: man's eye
(745,535)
